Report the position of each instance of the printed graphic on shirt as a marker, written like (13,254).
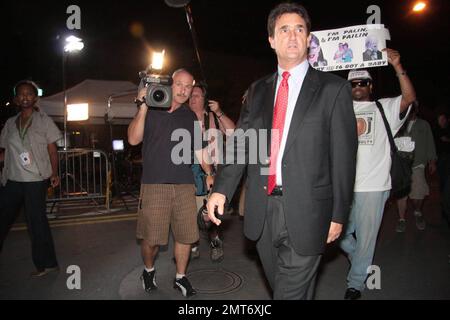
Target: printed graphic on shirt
(366,128)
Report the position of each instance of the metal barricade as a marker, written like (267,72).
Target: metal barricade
(85,175)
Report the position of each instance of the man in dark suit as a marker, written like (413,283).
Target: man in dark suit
(299,197)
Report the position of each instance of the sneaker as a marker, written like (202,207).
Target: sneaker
(420,222)
(401,226)
(195,253)
(184,286)
(149,281)
(42,273)
(216,250)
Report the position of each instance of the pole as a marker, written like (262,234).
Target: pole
(190,20)
(64,58)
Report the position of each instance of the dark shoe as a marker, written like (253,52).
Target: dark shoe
(401,226)
(184,286)
(149,281)
(420,222)
(216,250)
(43,273)
(352,294)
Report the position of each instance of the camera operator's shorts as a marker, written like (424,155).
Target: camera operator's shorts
(419,186)
(166,206)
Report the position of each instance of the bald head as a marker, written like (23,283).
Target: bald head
(183,82)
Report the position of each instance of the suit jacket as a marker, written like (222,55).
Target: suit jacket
(318,165)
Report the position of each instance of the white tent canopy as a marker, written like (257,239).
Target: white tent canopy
(96,93)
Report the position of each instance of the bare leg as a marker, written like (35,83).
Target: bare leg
(420,221)
(182,252)
(402,208)
(418,205)
(149,254)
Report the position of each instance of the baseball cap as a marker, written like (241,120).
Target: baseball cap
(359,75)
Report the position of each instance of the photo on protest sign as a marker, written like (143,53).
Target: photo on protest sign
(349,48)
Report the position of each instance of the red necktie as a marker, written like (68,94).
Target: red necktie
(279,116)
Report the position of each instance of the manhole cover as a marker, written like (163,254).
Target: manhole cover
(206,281)
(215,281)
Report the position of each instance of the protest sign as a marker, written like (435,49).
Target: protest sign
(349,48)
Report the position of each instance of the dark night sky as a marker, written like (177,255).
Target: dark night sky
(232,37)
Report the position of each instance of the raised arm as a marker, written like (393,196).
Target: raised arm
(226,125)
(407,88)
(137,126)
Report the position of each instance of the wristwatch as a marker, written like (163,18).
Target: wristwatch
(220,115)
(139,102)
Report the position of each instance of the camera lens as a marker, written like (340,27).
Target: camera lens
(159,96)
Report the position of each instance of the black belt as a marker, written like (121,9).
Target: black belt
(277,192)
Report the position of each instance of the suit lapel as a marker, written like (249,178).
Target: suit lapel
(309,88)
(269,98)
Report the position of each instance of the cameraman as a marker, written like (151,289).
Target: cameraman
(167,192)
(214,123)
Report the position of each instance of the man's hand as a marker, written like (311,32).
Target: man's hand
(142,93)
(335,232)
(54,181)
(393,57)
(216,201)
(214,106)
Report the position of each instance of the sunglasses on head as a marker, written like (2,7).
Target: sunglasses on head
(361,83)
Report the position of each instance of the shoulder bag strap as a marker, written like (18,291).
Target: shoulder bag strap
(388,127)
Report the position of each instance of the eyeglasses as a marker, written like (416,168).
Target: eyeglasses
(361,83)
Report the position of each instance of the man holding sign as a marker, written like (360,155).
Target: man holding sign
(373,181)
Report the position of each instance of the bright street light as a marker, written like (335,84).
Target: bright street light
(419,6)
(73,44)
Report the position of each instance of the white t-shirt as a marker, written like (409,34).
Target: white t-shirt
(374,152)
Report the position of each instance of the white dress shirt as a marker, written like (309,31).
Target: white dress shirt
(295,82)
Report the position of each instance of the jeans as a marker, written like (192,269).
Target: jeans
(364,224)
(32,196)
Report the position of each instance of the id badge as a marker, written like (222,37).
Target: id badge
(25,159)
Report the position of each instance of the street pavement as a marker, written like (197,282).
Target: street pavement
(413,265)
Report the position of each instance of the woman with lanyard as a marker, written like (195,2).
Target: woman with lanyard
(27,146)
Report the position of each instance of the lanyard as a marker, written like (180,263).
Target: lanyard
(23,131)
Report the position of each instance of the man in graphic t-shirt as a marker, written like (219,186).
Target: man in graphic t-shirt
(373,181)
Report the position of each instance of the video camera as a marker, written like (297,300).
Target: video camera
(159,89)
